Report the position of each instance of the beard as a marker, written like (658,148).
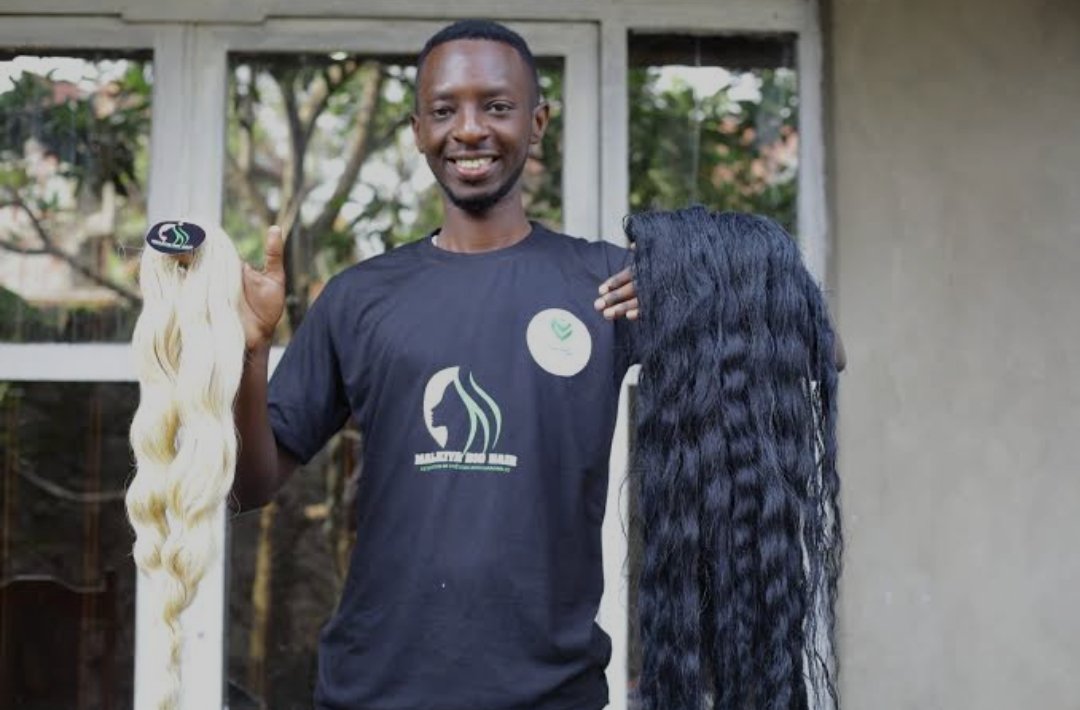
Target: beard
(480,204)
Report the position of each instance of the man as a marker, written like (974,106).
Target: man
(485,382)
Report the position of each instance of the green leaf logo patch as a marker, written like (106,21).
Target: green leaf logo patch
(559,342)
(563,329)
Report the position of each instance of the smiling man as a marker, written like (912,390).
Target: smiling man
(485,381)
(478,110)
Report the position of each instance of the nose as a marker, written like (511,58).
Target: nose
(470,127)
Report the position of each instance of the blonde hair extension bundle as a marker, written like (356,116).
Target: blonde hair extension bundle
(189,348)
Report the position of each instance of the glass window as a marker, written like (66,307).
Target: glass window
(67,584)
(74,137)
(321,144)
(713,121)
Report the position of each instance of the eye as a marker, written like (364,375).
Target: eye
(500,107)
(441,112)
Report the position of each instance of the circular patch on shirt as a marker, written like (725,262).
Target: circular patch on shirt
(559,342)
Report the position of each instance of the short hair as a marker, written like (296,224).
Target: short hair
(485,30)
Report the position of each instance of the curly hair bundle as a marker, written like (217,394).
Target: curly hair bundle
(735,464)
(189,348)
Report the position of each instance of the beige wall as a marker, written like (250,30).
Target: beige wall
(955,176)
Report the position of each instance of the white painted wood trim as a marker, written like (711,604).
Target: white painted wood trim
(397,36)
(577,44)
(581,187)
(812,197)
(44,32)
(615,140)
(62,362)
(758,15)
(187,161)
(76,362)
(614,616)
(728,17)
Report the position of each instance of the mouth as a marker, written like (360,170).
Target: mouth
(472,169)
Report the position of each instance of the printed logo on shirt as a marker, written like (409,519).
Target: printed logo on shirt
(450,402)
(559,342)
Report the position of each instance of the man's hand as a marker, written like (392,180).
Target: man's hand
(264,294)
(618,297)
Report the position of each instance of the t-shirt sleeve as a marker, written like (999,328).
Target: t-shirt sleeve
(307,401)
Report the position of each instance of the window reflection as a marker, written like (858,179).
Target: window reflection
(321,145)
(74,137)
(67,583)
(713,121)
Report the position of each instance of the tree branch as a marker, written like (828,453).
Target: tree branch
(333,79)
(51,249)
(359,152)
(241,169)
(8,245)
(243,181)
(294,174)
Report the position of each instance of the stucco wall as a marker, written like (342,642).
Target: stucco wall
(955,175)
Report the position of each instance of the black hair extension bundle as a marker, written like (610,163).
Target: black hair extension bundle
(736,467)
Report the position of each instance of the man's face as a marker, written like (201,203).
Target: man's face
(476,116)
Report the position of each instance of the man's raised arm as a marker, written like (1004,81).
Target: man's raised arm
(261,465)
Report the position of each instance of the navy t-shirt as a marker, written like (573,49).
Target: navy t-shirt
(486,386)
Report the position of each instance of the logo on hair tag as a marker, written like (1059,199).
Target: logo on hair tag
(176,237)
(559,342)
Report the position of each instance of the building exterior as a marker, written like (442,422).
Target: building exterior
(936,194)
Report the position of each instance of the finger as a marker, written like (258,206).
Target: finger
(616,281)
(611,298)
(275,253)
(621,309)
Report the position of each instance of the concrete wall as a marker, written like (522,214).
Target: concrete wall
(955,175)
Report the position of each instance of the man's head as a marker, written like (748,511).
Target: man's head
(477,111)
(483,30)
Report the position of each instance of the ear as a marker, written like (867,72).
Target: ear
(541,116)
(414,121)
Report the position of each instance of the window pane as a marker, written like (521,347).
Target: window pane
(321,145)
(74,137)
(67,593)
(714,121)
(288,560)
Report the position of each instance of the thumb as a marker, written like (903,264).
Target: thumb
(275,253)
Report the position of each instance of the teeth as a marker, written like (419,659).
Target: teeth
(474,163)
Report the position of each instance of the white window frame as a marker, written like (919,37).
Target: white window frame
(734,18)
(187,148)
(188,134)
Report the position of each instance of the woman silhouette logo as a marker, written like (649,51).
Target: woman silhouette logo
(439,411)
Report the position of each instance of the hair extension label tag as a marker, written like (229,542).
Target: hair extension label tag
(559,342)
(175,237)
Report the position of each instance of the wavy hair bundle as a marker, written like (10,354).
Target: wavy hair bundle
(735,465)
(189,348)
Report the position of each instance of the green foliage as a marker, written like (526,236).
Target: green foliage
(97,137)
(63,144)
(714,150)
(390,211)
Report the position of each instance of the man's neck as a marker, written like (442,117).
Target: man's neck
(501,226)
